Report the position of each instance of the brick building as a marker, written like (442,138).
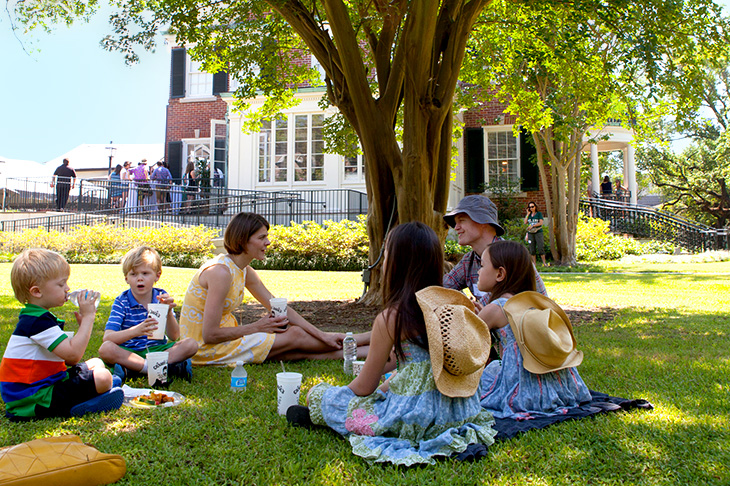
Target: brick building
(288,154)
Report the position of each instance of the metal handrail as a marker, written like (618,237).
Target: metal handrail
(209,206)
(647,222)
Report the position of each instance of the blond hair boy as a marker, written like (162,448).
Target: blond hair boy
(41,373)
(127,336)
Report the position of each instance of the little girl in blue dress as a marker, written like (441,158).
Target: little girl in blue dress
(537,374)
(430,407)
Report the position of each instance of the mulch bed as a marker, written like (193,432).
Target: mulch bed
(348,315)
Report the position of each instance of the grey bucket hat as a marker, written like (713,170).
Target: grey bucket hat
(480,209)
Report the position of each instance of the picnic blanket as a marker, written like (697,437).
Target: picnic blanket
(508,428)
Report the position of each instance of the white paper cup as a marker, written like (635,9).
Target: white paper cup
(357,367)
(287,390)
(278,306)
(157,368)
(159,313)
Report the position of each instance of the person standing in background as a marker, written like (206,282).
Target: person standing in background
(535,238)
(162,179)
(606,188)
(124,176)
(64,179)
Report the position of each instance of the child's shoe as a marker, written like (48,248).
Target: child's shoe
(119,375)
(182,369)
(110,400)
(298,416)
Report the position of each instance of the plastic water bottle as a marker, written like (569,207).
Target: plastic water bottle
(74,298)
(239,378)
(349,352)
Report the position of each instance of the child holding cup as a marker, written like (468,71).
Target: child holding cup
(132,330)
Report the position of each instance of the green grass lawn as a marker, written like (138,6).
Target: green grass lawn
(668,342)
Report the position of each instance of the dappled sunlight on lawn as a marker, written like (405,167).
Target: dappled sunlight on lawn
(647,291)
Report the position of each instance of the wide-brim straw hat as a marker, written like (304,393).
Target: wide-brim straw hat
(543,333)
(458,340)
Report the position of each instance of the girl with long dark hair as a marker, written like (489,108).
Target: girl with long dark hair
(419,413)
(536,375)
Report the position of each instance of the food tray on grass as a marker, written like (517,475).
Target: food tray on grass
(148,398)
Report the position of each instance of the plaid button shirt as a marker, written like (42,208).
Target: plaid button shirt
(465,274)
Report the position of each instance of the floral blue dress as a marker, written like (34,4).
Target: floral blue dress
(409,424)
(508,390)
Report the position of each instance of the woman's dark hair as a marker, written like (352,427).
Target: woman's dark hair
(240,229)
(414,260)
(533,203)
(118,169)
(516,261)
(606,179)
(190,167)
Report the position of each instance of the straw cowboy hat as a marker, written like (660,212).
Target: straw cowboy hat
(458,340)
(543,333)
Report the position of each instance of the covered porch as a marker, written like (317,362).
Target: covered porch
(613,137)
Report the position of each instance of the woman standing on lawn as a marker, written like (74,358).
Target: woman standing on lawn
(430,408)
(216,291)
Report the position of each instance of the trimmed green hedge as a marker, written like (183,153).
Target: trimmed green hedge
(332,246)
(104,243)
(594,241)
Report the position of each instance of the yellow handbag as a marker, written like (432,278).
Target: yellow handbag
(59,461)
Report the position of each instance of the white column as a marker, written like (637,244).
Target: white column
(631,172)
(595,174)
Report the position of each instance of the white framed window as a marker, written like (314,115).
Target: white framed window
(315,64)
(296,140)
(354,168)
(274,151)
(502,156)
(199,83)
(197,149)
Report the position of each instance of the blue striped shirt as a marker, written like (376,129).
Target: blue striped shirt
(126,313)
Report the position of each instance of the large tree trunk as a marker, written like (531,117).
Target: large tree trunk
(563,193)
(417,52)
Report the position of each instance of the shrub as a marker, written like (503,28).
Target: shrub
(309,246)
(453,251)
(594,241)
(104,243)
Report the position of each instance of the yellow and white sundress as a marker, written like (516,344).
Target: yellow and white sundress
(252,348)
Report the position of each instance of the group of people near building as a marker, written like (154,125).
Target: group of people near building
(613,191)
(140,186)
(444,389)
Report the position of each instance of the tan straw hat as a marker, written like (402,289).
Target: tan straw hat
(543,333)
(458,340)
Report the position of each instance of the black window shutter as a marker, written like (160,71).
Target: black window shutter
(220,83)
(474,159)
(528,163)
(175,159)
(177,73)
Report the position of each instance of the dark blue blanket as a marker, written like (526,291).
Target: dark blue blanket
(509,428)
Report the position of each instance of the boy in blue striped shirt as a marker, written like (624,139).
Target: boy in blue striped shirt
(127,336)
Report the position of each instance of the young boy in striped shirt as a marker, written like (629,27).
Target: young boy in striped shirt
(41,373)
(128,330)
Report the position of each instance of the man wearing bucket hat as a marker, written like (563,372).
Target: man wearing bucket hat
(537,377)
(475,220)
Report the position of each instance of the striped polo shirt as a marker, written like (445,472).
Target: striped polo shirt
(29,368)
(127,312)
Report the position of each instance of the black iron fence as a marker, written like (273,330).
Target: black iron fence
(94,201)
(646,222)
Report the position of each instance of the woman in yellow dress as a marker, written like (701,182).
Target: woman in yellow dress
(217,290)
